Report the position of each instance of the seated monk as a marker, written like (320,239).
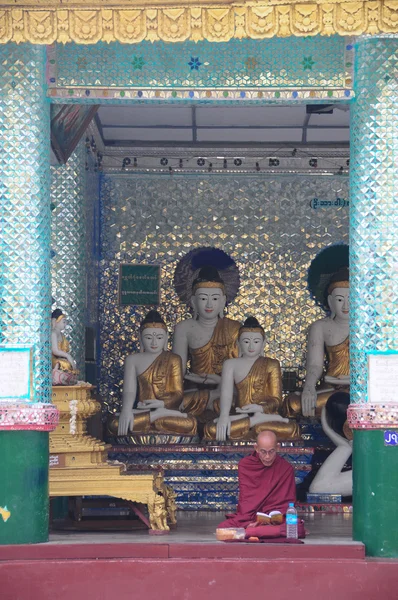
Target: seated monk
(266,483)
(258,383)
(158,376)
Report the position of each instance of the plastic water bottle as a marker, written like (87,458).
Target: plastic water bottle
(291,522)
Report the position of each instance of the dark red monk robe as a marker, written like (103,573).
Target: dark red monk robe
(262,489)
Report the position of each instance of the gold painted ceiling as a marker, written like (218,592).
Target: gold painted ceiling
(129,21)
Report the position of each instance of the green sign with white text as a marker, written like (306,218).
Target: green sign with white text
(139,284)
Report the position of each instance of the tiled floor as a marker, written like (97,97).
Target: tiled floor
(199,527)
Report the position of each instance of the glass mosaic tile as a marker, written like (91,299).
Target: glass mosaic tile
(25,207)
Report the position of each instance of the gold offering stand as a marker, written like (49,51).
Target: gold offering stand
(79,465)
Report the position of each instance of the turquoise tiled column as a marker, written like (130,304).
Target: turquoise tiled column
(374,285)
(25,287)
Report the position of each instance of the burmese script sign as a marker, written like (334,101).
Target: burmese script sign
(139,284)
(56,461)
(383,377)
(317,203)
(15,373)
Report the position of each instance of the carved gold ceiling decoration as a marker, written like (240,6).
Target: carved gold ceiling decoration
(90,21)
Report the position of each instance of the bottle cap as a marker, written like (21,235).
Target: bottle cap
(291,503)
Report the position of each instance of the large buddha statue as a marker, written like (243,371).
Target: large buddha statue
(258,382)
(63,365)
(208,339)
(327,338)
(156,375)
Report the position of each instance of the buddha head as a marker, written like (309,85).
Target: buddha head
(251,339)
(58,320)
(208,294)
(339,295)
(153,333)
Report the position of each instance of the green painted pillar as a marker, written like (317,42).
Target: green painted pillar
(374,288)
(25,289)
(24,489)
(375,474)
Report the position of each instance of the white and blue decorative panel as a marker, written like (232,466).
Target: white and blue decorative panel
(270,225)
(374,206)
(68,248)
(239,70)
(25,299)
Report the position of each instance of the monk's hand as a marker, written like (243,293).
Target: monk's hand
(148,404)
(308,401)
(254,524)
(126,422)
(223,428)
(250,408)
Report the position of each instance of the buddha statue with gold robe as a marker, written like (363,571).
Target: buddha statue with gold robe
(155,376)
(208,340)
(63,365)
(258,382)
(327,338)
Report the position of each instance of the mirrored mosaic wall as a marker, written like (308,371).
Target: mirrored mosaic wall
(374,214)
(92,240)
(25,207)
(267,224)
(75,246)
(228,71)
(68,248)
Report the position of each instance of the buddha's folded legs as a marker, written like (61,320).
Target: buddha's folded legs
(241,430)
(283,431)
(173,425)
(63,364)
(292,403)
(176,425)
(142,423)
(195,402)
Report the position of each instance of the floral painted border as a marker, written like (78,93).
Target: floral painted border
(159,94)
(372,416)
(24,416)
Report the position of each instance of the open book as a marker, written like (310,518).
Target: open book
(275,517)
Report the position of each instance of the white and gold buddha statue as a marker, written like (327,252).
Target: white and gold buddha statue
(63,365)
(154,377)
(327,338)
(207,340)
(258,382)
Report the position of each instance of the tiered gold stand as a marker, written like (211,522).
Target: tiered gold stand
(79,465)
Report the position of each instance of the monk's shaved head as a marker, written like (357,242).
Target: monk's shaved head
(266,446)
(267,437)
